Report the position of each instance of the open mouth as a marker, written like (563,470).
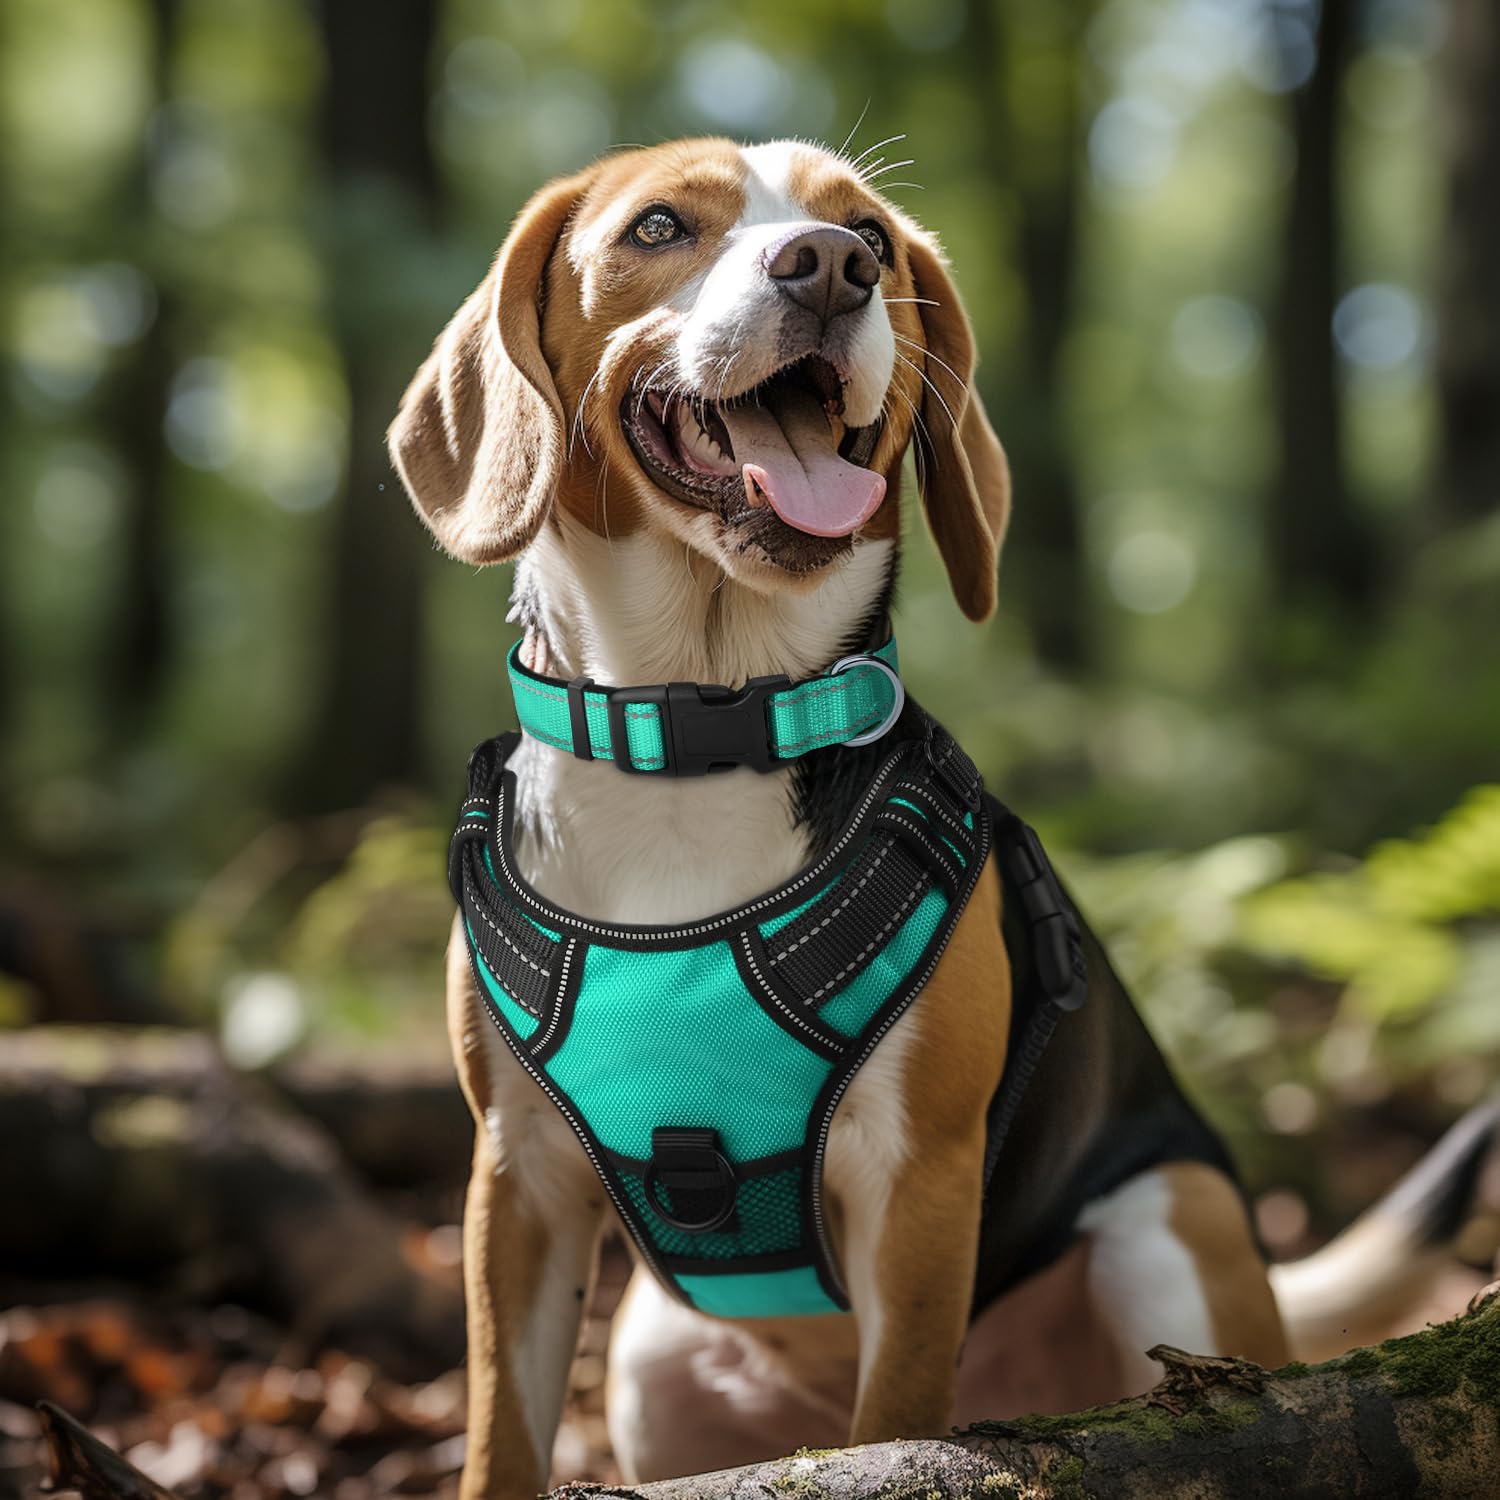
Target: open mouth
(781,447)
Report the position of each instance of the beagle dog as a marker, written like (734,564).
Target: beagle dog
(680,401)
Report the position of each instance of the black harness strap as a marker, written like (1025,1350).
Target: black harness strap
(1057,972)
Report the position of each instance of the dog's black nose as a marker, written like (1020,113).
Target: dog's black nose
(827,270)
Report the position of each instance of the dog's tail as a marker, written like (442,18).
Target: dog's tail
(1354,1289)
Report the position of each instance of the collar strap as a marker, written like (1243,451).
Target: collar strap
(689,728)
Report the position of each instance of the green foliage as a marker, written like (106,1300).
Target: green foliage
(1170,923)
(385,912)
(1281,997)
(1389,928)
(331,930)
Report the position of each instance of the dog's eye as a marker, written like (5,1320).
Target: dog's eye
(657,226)
(874,236)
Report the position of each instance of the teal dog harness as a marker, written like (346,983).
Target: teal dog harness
(700,1065)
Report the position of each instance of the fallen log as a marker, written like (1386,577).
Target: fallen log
(1411,1418)
(146,1156)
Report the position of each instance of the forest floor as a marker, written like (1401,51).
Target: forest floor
(214,1402)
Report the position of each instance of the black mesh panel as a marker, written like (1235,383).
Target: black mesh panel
(768,1213)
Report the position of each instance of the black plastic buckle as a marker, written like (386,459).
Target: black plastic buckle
(704,727)
(692,1168)
(1056,937)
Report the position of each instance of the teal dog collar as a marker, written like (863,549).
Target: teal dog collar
(690,728)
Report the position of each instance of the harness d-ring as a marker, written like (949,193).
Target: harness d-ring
(898,688)
(694,1163)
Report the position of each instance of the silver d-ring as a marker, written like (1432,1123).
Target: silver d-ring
(865,659)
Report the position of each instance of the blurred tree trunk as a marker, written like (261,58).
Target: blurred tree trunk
(1042,169)
(137,656)
(365,722)
(1468,485)
(1321,547)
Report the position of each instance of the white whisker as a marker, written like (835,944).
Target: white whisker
(601,506)
(919,461)
(875,169)
(922,376)
(915,410)
(724,374)
(580,422)
(860,121)
(912,343)
(890,140)
(646,386)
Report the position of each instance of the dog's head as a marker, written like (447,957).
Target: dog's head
(735,344)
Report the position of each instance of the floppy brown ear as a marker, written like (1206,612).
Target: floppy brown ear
(964,476)
(478,440)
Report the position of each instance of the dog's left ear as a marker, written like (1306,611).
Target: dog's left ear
(965,479)
(478,441)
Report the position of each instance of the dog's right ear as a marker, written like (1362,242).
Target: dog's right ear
(478,441)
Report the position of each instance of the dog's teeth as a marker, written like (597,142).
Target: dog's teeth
(698,447)
(714,445)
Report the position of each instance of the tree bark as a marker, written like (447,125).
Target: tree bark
(1411,1418)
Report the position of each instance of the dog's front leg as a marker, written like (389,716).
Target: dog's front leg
(908,1166)
(910,1285)
(526,1278)
(532,1220)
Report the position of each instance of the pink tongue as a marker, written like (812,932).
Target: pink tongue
(786,453)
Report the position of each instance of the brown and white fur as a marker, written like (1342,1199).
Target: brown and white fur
(513,443)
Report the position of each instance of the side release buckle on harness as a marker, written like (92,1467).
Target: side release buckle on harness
(1056,939)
